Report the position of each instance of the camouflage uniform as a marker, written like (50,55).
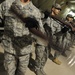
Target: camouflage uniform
(56,40)
(67,40)
(4,7)
(40,47)
(19,29)
(15,24)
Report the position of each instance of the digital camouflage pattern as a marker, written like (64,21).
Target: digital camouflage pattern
(17,27)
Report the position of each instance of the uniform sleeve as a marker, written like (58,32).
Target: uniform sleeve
(20,12)
(15,7)
(3,9)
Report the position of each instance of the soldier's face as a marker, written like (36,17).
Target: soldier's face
(70,19)
(56,11)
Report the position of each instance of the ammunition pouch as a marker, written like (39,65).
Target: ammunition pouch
(21,42)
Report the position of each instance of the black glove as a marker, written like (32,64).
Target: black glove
(46,13)
(64,30)
(31,22)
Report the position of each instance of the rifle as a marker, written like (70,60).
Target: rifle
(49,34)
(68,25)
(29,21)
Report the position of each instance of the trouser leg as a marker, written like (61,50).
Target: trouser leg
(23,64)
(56,54)
(10,64)
(51,57)
(41,58)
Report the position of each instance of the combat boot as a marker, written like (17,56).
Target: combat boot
(43,72)
(39,72)
(57,61)
(64,54)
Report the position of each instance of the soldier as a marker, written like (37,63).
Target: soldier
(68,36)
(40,46)
(17,54)
(55,27)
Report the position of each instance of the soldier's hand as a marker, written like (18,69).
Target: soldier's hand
(73,29)
(46,14)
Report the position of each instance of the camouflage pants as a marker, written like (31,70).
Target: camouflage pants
(41,56)
(16,65)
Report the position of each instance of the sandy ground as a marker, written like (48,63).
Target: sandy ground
(66,68)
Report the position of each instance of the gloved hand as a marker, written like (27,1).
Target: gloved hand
(64,30)
(46,13)
(31,22)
